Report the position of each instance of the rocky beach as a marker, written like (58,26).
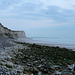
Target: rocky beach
(20,55)
(18,58)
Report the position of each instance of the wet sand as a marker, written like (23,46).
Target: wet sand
(28,40)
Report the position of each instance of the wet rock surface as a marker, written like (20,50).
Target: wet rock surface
(7,48)
(44,59)
(31,59)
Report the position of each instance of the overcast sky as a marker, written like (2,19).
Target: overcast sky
(39,17)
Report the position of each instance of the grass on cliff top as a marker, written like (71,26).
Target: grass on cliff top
(54,54)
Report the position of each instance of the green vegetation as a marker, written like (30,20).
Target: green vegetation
(55,54)
(35,55)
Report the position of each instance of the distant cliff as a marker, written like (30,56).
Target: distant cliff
(5,32)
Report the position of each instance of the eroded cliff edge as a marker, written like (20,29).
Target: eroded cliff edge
(5,32)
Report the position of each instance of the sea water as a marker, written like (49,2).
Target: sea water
(62,42)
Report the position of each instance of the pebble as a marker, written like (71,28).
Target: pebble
(5,71)
(32,66)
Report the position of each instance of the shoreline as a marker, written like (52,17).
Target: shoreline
(50,44)
(26,57)
(45,59)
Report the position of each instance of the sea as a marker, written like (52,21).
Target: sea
(56,41)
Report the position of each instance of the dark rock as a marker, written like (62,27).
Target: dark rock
(8,65)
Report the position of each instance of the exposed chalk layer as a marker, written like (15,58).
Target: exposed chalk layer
(5,32)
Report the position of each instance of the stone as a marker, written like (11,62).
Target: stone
(30,70)
(66,73)
(8,65)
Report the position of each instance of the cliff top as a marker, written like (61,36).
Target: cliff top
(5,32)
(9,29)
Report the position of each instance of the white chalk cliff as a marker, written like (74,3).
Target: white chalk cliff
(5,32)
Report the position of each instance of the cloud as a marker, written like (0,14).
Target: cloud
(38,16)
(57,11)
(64,4)
(19,7)
(7,10)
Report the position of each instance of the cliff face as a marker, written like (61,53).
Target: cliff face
(5,32)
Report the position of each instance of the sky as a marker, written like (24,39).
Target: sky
(39,18)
